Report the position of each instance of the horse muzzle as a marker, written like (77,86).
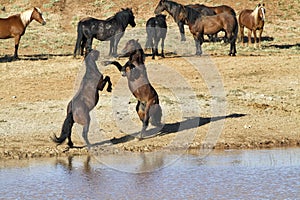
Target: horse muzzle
(43,23)
(123,73)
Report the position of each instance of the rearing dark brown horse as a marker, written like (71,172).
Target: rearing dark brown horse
(138,83)
(253,20)
(84,100)
(15,25)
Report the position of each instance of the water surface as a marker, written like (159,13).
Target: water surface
(234,174)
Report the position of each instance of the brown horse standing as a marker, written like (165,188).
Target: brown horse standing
(222,9)
(209,25)
(15,25)
(84,101)
(138,83)
(253,20)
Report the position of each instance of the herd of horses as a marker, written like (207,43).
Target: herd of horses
(201,20)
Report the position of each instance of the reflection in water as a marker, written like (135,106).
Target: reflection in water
(249,174)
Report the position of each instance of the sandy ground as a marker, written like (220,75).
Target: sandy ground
(213,101)
(260,108)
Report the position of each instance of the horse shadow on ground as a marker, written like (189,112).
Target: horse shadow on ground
(284,46)
(169,128)
(264,38)
(34,57)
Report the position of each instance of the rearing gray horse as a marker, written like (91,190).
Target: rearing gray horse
(84,100)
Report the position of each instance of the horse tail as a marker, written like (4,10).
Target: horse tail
(235,31)
(79,39)
(66,128)
(149,30)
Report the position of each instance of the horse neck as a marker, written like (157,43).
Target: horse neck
(138,56)
(26,17)
(122,19)
(91,68)
(173,9)
(256,16)
(191,15)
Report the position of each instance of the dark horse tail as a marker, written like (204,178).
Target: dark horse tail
(66,129)
(79,39)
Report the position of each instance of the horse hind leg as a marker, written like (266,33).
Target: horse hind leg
(85,134)
(155,113)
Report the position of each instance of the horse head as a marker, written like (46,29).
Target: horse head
(38,16)
(161,6)
(262,11)
(130,16)
(134,50)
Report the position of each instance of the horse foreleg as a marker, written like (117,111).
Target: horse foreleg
(115,46)
(249,37)
(111,44)
(255,38)
(242,34)
(162,47)
(156,41)
(103,82)
(181,30)
(259,37)
(17,41)
(83,46)
(198,45)
(88,46)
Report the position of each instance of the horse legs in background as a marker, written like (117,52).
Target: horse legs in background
(111,44)
(88,46)
(181,30)
(242,34)
(198,44)
(249,37)
(17,41)
(82,46)
(155,47)
(259,36)
(162,47)
(117,39)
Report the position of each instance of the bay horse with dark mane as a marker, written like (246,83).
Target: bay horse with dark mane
(111,29)
(84,100)
(177,12)
(134,69)
(209,25)
(253,20)
(156,28)
(15,26)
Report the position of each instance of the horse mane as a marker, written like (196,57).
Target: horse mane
(255,13)
(26,16)
(191,14)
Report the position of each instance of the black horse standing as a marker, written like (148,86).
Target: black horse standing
(156,28)
(111,29)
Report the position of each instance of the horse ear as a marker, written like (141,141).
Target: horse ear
(263,4)
(258,5)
